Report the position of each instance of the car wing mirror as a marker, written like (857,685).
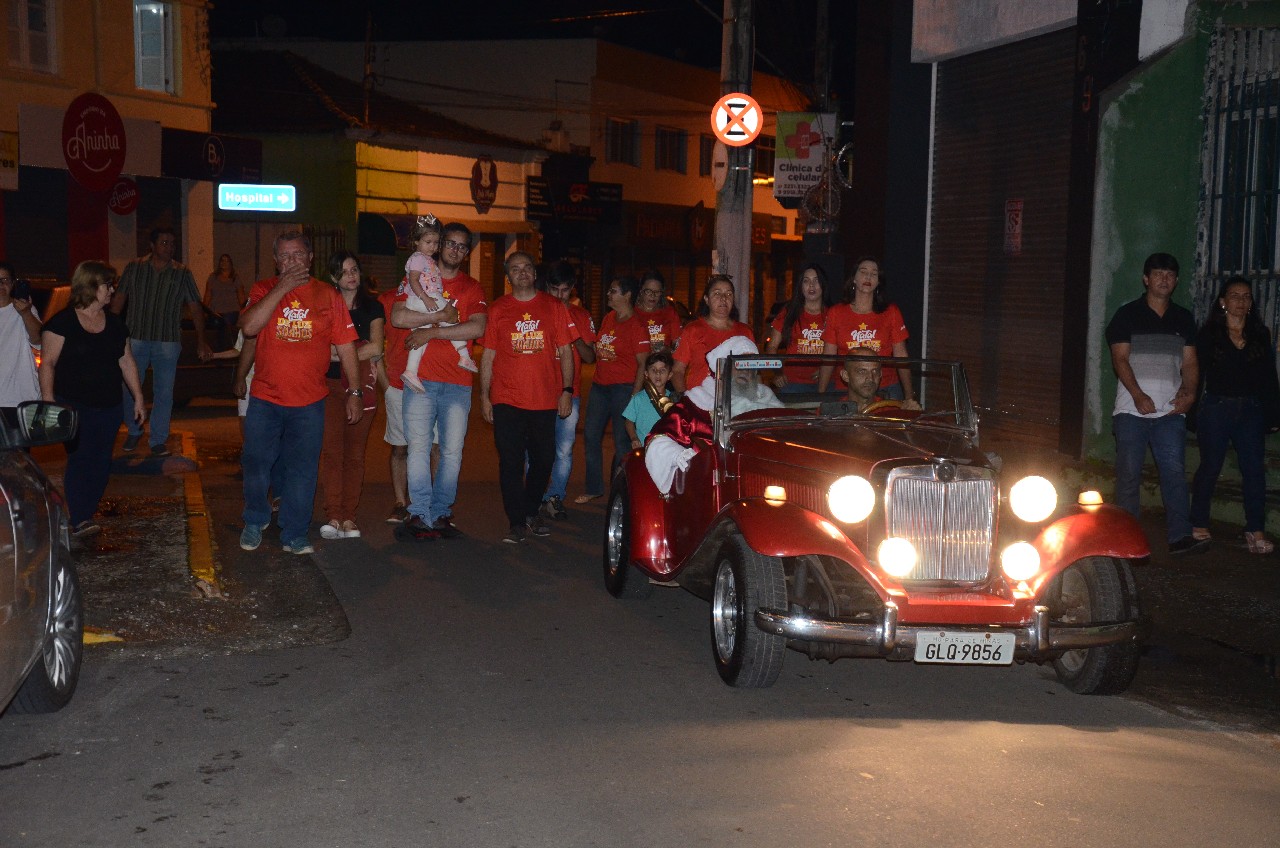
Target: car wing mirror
(44,423)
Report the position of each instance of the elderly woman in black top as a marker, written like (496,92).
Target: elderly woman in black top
(1241,403)
(85,358)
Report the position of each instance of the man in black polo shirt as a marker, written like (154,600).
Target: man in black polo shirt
(1153,353)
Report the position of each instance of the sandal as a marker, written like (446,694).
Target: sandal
(350,530)
(1201,534)
(331,530)
(1258,543)
(581,499)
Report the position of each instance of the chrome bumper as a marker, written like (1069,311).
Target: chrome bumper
(886,637)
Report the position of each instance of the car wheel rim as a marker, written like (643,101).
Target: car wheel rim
(724,612)
(61,647)
(613,536)
(1074,599)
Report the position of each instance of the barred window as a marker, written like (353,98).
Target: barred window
(622,141)
(671,150)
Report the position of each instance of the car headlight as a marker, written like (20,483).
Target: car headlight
(851,499)
(1020,561)
(1033,499)
(896,557)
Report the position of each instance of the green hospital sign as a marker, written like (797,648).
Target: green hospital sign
(257,198)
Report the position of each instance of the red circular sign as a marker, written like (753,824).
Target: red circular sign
(124,196)
(93,141)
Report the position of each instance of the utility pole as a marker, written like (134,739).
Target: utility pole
(733,200)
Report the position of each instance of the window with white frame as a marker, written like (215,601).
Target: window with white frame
(622,141)
(671,150)
(153,46)
(31,35)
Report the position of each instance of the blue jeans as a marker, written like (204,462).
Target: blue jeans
(604,404)
(1237,421)
(281,452)
(88,459)
(1166,436)
(566,432)
(163,359)
(443,410)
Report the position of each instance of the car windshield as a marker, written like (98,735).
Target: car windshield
(866,388)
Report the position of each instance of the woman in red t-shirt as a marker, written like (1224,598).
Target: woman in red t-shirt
(622,343)
(716,322)
(867,322)
(798,328)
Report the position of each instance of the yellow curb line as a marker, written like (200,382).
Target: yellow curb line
(199,531)
(97,636)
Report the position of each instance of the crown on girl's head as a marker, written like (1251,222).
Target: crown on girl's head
(427,220)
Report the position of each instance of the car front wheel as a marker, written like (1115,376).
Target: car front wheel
(621,578)
(52,680)
(746,581)
(1097,590)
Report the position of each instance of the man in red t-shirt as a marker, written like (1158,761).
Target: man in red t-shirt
(291,322)
(442,408)
(526,380)
(562,283)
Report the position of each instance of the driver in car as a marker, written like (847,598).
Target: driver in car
(863,377)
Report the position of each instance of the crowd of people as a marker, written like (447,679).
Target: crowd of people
(314,357)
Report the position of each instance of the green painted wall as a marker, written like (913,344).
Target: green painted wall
(323,167)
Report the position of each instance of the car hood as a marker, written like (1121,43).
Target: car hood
(845,447)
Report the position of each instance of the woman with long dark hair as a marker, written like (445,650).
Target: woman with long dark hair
(1241,402)
(798,328)
(343,449)
(867,322)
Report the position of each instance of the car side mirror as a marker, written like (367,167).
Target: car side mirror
(44,423)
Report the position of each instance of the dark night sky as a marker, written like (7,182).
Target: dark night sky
(688,30)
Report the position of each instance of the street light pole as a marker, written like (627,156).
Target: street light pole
(733,200)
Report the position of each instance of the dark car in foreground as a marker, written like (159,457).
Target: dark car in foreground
(840,530)
(42,630)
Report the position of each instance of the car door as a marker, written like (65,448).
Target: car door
(13,651)
(25,535)
(692,508)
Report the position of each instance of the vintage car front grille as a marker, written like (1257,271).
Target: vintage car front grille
(948,512)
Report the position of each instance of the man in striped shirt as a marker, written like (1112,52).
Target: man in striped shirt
(155,287)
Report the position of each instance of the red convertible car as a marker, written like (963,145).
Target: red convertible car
(842,525)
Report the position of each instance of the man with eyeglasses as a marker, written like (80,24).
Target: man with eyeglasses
(155,287)
(441,410)
(291,323)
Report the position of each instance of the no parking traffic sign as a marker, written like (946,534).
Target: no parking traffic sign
(736,119)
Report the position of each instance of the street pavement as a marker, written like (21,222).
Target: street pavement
(1213,618)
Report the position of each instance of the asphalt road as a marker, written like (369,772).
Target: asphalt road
(495,695)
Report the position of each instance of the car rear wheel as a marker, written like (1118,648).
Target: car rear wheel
(1097,590)
(746,581)
(50,684)
(621,578)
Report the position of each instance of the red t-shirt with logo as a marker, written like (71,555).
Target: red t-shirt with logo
(524,336)
(617,345)
(696,341)
(440,362)
(586,330)
(395,356)
(663,325)
(292,352)
(877,332)
(806,337)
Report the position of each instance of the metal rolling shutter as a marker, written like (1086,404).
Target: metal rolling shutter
(1003,133)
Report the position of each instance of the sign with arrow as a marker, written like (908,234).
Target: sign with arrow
(240,197)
